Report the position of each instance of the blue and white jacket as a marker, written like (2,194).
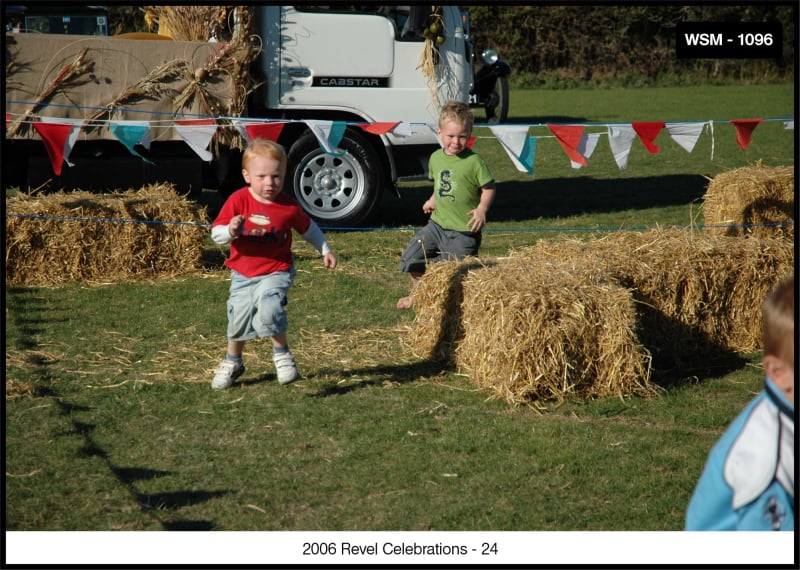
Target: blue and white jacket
(748,480)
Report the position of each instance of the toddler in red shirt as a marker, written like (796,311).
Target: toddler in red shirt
(257,221)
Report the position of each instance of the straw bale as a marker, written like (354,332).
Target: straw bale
(751,195)
(44,249)
(541,331)
(437,303)
(690,287)
(598,317)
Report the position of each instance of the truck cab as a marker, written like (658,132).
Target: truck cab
(359,65)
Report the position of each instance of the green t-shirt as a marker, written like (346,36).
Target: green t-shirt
(457,182)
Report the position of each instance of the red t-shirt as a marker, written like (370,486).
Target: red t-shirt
(265,245)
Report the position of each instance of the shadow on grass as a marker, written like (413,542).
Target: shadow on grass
(520,200)
(368,376)
(377,375)
(27,311)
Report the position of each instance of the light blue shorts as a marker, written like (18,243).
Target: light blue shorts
(256,305)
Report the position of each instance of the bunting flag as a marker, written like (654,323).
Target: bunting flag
(398,128)
(586,147)
(329,134)
(620,139)
(59,136)
(744,130)
(378,128)
(569,136)
(519,147)
(402,130)
(259,129)
(131,133)
(197,133)
(685,134)
(647,134)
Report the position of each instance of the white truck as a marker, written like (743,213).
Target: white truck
(357,65)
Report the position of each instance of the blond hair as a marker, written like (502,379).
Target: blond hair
(457,112)
(778,326)
(265,148)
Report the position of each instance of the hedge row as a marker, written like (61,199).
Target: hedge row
(593,44)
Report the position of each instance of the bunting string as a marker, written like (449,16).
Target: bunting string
(372,229)
(198,132)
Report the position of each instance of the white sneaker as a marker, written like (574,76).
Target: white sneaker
(226,373)
(285,367)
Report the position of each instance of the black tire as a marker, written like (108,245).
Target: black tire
(497,102)
(338,191)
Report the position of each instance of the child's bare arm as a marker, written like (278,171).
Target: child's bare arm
(477,217)
(430,204)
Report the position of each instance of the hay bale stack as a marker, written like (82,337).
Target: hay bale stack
(541,331)
(437,304)
(695,290)
(751,195)
(43,249)
(706,286)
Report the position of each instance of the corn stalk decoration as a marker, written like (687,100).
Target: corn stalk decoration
(233,58)
(67,77)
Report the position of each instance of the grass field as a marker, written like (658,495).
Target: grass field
(111,423)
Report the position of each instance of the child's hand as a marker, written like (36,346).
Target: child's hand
(236,226)
(429,205)
(477,219)
(330,261)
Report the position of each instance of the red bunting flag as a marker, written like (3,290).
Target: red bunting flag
(8,119)
(647,134)
(270,131)
(744,130)
(569,136)
(379,128)
(55,136)
(471,141)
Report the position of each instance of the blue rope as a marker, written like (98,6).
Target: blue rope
(391,229)
(105,220)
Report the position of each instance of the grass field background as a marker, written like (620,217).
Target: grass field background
(112,425)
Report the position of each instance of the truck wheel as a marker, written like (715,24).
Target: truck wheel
(335,190)
(497,101)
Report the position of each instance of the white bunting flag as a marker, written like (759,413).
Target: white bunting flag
(788,125)
(620,139)
(586,147)
(197,134)
(518,146)
(402,129)
(685,134)
(329,134)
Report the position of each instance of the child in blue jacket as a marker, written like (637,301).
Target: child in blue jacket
(748,480)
